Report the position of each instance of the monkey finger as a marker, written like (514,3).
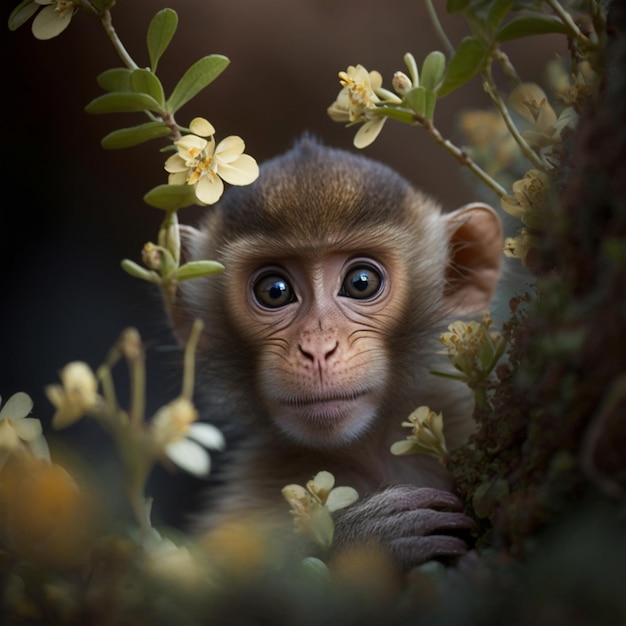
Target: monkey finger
(413,551)
(425,522)
(407,498)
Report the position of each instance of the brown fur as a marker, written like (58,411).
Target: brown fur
(310,212)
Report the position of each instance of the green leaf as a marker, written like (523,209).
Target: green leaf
(123,102)
(160,33)
(467,61)
(196,269)
(527,25)
(145,81)
(455,6)
(171,197)
(430,101)
(116,79)
(22,13)
(497,13)
(197,77)
(128,137)
(140,272)
(433,70)
(416,99)
(400,115)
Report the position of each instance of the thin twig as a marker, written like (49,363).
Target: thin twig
(107,22)
(434,18)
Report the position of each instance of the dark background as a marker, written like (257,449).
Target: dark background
(71,210)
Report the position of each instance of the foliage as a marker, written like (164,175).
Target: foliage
(543,475)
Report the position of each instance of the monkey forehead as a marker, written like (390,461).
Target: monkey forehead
(315,197)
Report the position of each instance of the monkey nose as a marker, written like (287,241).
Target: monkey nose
(318,351)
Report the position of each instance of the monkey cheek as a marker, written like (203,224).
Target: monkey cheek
(328,424)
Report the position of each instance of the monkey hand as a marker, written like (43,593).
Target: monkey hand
(414,525)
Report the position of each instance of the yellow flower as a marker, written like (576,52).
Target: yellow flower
(356,103)
(173,432)
(76,396)
(473,349)
(312,507)
(201,163)
(531,197)
(54,18)
(427,436)
(519,246)
(17,431)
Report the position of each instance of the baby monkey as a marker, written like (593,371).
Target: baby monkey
(319,337)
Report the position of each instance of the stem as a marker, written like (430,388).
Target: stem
(492,90)
(462,157)
(131,346)
(434,18)
(190,360)
(566,18)
(107,22)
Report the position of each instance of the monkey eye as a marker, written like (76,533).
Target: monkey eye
(273,291)
(361,282)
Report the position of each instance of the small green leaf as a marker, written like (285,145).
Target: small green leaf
(160,33)
(116,79)
(430,101)
(400,115)
(128,137)
(22,13)
(467,61)
(433,70)
(196,269)
(140,272)
(416,99)
(197,77)
(145,81)
(123,102)
(171,197)
(527,25)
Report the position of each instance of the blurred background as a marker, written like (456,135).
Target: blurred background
(72,211)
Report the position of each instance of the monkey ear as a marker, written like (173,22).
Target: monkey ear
(475,255)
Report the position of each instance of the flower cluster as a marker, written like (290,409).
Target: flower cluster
(357,103)
(474,350)
(427,436)
(53,18)
(205,165)
(312,506)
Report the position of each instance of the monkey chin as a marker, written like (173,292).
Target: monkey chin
(326,424)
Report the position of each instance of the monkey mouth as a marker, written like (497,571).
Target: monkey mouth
(323,401)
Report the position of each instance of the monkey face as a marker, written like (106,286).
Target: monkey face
(319,323)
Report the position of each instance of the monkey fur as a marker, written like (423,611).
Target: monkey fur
(319,337)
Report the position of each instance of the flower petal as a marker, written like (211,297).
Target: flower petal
(175,163)
(243,171)
(19,405)
(28,429)
(229,149)
(368,132)
(49,22)
(208,435)
(201,127)
(190,456)
(341,497)
(209,189)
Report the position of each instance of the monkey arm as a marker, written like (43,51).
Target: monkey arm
(412,524)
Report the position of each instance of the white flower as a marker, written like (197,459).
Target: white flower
(18,431)
(76,396)
(201,163)
(311,507)
(53,19)
(356,103)
(427,436)
(175,434)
